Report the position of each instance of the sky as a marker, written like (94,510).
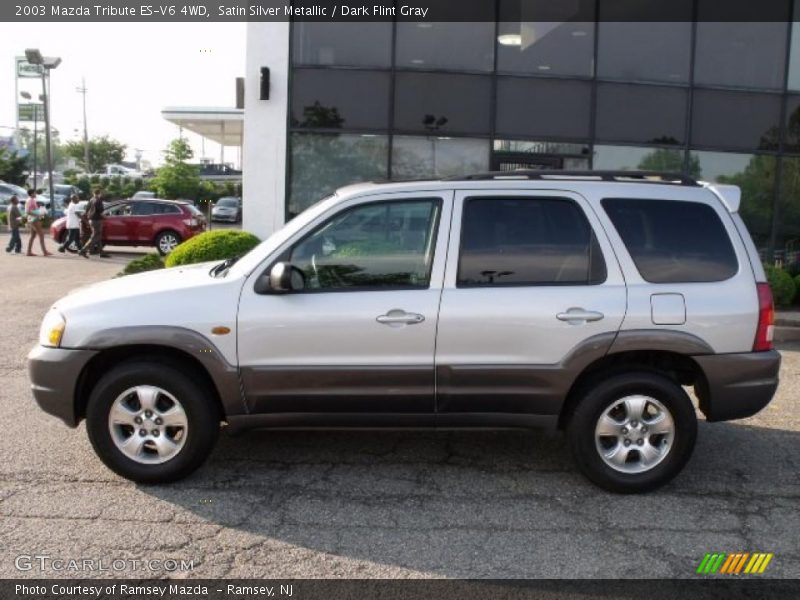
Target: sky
(132,71)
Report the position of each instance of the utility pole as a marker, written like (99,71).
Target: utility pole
(82,90)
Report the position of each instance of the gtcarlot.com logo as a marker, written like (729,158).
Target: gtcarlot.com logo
(45,563)
(737,563)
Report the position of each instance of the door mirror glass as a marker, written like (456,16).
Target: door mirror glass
(283,277)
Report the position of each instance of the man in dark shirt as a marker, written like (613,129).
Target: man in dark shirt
(14,221)
(94,212)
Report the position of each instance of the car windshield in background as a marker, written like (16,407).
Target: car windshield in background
(228,202)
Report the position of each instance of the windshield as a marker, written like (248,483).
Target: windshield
(231,202)
(194,210)
(252,259)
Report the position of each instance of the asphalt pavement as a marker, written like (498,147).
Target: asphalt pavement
(373,504)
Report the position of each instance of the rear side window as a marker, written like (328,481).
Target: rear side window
(164,209)
(672,241)
(527,241)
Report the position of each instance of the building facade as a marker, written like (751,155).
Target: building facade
(349,102)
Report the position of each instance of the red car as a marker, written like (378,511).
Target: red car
(153,222)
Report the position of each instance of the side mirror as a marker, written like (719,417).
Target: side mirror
(283,277)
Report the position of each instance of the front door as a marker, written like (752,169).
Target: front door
(360,334)
(531,279)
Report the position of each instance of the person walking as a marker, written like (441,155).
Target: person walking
(73,240)
(94,212)
(34,216)
(14,222)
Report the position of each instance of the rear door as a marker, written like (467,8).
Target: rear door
(143,213)
(531,280)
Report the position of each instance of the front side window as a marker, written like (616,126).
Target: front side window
(671,241)
(382,245)
(121,210)
(527,241)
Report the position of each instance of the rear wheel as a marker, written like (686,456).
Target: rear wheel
(150,423)
(167,241)
(633,432)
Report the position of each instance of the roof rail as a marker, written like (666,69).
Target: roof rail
(616,176)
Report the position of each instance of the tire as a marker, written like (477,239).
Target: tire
(166,241)
(639,454)
(191,444)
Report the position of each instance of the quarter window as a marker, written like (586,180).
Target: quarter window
(383,245)
(527,241)
(672,241)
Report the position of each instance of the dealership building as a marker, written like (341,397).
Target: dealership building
(333,103)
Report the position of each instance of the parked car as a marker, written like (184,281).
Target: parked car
(583,301)
(228,208)
(143,195)
(160,223)
(9,189)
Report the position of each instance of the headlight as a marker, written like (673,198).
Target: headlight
(52,329)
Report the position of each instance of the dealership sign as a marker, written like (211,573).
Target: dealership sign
(29,112)
(26,69)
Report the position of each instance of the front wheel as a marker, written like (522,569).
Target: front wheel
(150,423)
(633,432)
(167,241)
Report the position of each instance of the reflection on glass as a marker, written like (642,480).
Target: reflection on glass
(340,99)
(458,46)
(788,234)
(419,157)
(442,103)
(733,120)
(546,48)
(755,175)
(321,163)
(633,158)
(749,55)
(794,52)
(349,44)
(791,141)
(641,113)
(644,51)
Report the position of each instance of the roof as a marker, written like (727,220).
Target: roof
(219,124)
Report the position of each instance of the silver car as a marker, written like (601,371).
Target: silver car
(228,208)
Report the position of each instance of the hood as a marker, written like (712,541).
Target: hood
(130,287)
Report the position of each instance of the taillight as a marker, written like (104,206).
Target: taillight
(766,319)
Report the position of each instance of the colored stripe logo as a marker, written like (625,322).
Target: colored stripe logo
(737,563)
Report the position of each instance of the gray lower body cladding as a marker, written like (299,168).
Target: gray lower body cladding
(54,374)
(737,386)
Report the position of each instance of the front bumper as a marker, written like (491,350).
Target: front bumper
(737,385)
(54,374)
(227,218)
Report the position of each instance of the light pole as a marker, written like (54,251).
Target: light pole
(48,63)
(82,90)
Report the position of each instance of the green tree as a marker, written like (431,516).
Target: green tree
(26,142)
(13,167)
(177,178)
(103,151)
(669,161)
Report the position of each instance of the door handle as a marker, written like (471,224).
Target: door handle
(576,316)
(400,317)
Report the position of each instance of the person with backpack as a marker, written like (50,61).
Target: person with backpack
(94,213)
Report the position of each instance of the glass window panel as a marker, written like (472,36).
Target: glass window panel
(735,120)
(433,156)
(543,107)
(641,113)
(791,142)
(755,175)
(459,46)
(750,55)
(644,51)
(788,235)
(632,158)
(671,241)
(321,163)
(527,241)
(374,246)
(335,99)
(547,38)
(794,51)
(349,44)
(441,103)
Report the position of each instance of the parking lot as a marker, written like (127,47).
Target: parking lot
(378,504)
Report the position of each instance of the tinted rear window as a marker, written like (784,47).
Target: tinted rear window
(672,241)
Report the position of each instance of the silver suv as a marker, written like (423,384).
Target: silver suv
(583,301)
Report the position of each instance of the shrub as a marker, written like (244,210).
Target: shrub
(212,245)
(782,284)
(148,262)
